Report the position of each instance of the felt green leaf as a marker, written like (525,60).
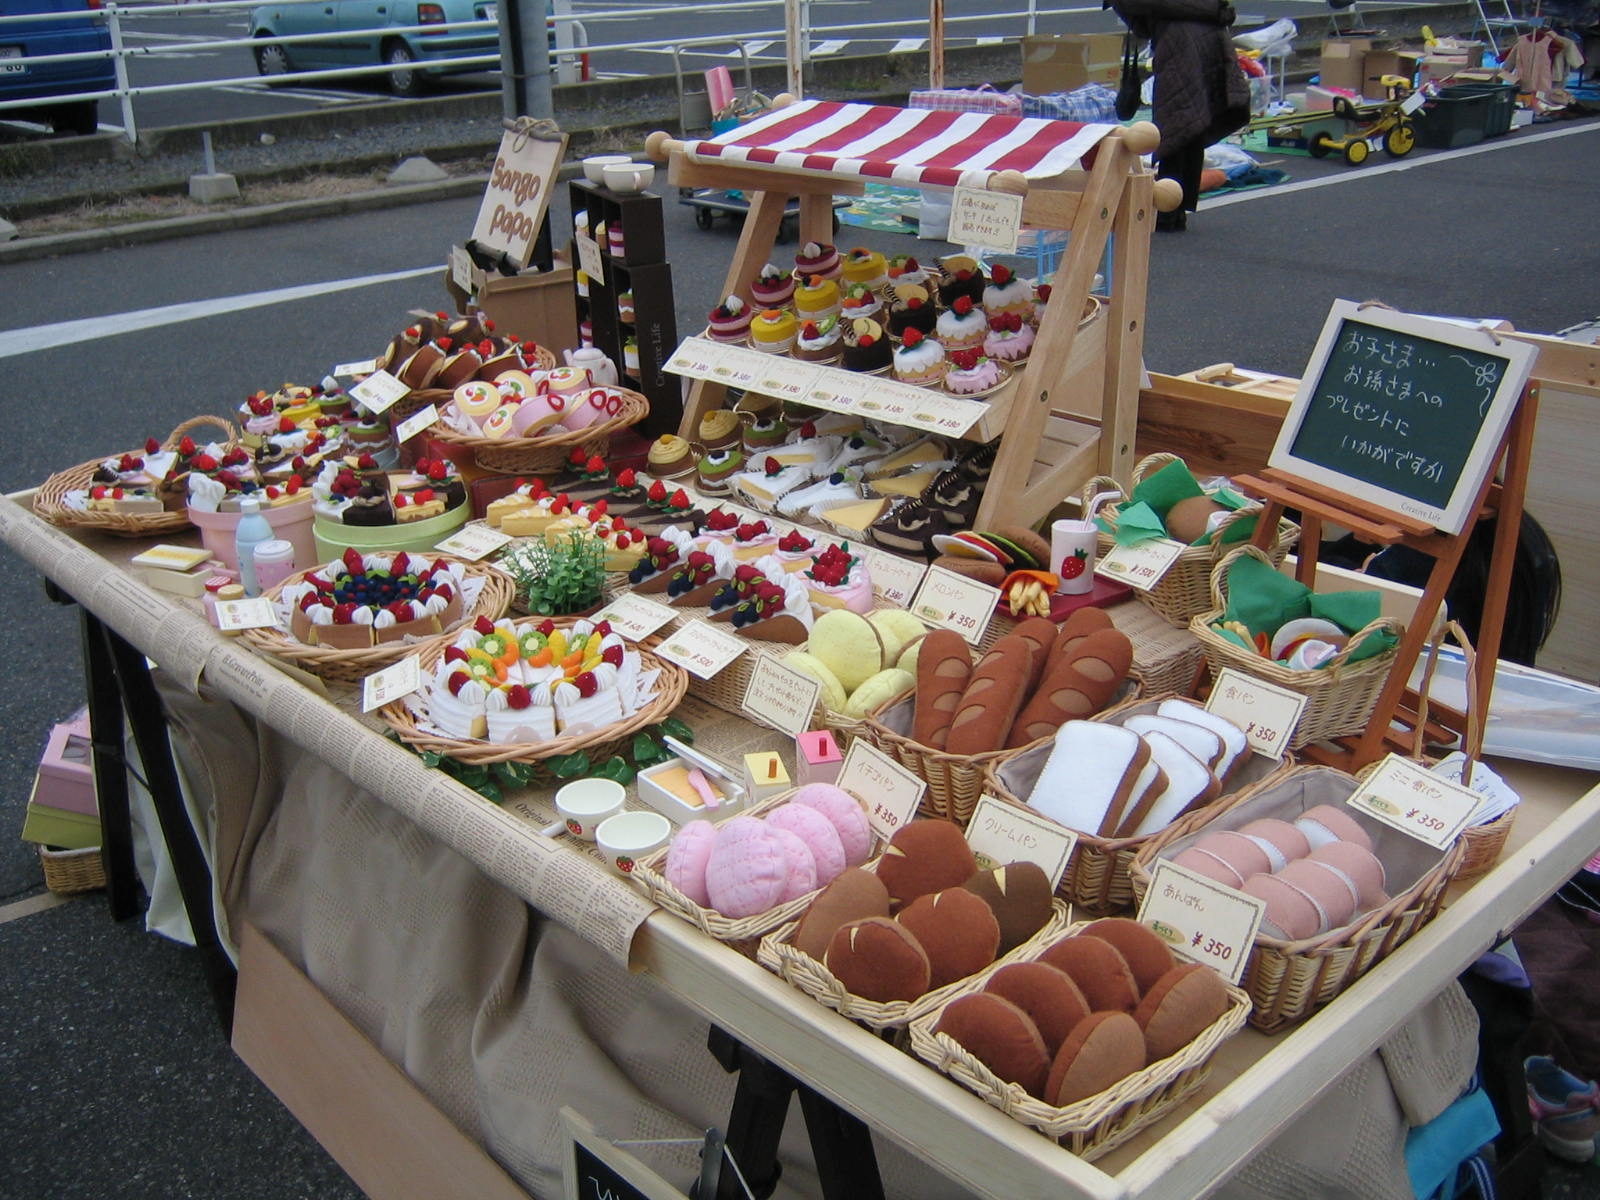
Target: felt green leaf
(569,766)
(678,730)
(616,768)
(1138,522)
(1166,487)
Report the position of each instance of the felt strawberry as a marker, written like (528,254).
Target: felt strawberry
(186,446)
(1074,564)
(151,446)
(596,465)
(457,681)
(482,626)
(576,457)
(597,509)
(772,466)
(657,492)
(403,610)
(1001,274)
(809,329)
(309,601)
(627,478)
(285,425)
(586,684)
(546,627)
(438,470)
(722,520)
(912,338)
(443,343)
(808,429)
(965,360)
(794,542)
(294,485)
(915,303)
(352,561)
(344,614)
(237,457)
(603,628)
(489,326)
(679,501)
(612,654)
(366,462)
(401,564)
(518,697)
(962,306)
(1043,292)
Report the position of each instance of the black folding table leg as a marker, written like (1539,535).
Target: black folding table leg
(123,892)
(847,1165)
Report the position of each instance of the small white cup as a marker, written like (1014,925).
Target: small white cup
(626,178)
(627,837)
(585,803)
(1072,549)
(594,167)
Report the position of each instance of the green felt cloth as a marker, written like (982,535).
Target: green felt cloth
(1263,600)
(1144,516)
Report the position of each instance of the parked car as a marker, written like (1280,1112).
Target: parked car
(366,33)
(45,82)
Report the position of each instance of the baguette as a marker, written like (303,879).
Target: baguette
(994,694)
(944,666)
(1076,685)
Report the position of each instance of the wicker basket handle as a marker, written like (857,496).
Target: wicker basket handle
(1097,485)
(194,423)
(1151,463)
(1369,630)
(1253,509)
(1472,739)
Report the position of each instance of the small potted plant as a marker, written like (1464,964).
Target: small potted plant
(558,579)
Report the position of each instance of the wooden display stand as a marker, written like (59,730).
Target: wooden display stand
(1071,412)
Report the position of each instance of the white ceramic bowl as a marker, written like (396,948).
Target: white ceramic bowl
(627,837)
(585,803)
(595,165)
(629,177)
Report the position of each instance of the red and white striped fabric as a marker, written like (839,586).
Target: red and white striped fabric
(906,146)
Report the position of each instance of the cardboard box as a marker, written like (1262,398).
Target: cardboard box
(1379,63)
(66,771)
(1062,62)
(1436,68)
(540,305)
(1460,48)
(60,827)
(1343,62)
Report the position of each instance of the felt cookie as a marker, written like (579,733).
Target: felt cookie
(685,867)
(833,694)
(800,875)
(1045,993)
(925,855)
(1104,1049)
(878,690)
(1099,970)
(1146,954)
(878,960)
(999,1035)
(1178,1007)
(1019,894)
(991,699)
(897,628)
(855,895)
(1077,683)
(1080,623)
(817,832)
(944,667)
(845,814)
(1090,775)
(848,645)
(747,870)
(957,931)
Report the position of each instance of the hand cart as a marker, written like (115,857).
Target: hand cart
(710,203)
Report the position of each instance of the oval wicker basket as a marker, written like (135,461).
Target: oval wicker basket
(414,402)
(1186,587)
(515,456)
(50,500)
(352,666)
(671,686)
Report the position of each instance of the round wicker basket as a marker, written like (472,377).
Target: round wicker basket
(414,402)
(516,456)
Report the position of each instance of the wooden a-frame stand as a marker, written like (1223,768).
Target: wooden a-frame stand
(1318,504)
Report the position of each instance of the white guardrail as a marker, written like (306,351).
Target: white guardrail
(571,43)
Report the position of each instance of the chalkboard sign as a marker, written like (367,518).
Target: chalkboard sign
(1404,412)
(594,1169)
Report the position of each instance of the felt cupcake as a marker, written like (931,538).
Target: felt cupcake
(717,467)
(766,431)
(866,267)
(962,326)
(865,346)
(670,457)
(971,373)
(774,331)
(730,320)
(719,428)
(818,341)
(919,360)
(816,298)
(904,268)
(1010,338)
(859,300)
(1006,293)
(772,287)
(818,258)
(912,309)
(630,355)
(962,277)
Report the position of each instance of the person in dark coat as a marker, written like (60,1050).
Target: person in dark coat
(1201,95)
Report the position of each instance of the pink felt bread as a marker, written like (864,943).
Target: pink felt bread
(1281,840)
(1243,854)
(686,860)
(846,815)
(802,867)
(819,835)
(1203,862)
(748,870)
(1290,913)
(1361,865)
(1325,823)
(1330,889)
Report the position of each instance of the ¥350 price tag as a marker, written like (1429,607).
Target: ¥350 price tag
(379,392)
(1412,799)
(890,792)
(1200,919)
(702,649)
(956,602)
(381,687)
(1141,565)
(1267,713)
(472,542)
(1001,833)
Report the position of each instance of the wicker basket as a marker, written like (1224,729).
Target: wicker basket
(68,872)
(522,456)
(671,686)
(1287,980)
(1340,697)
(1093,1126)
(1097,875)
(1186,587)
(800,970)
(741,933)
(352,666)
(50,501)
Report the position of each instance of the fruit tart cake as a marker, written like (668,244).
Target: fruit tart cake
(359,600)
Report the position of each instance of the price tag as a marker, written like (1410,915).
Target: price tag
(378,392)
(635,617)
(780,696)
(416,423)
(461,269)
(740,366)
(956,602)
(1001,833)
(1412,799)
(472,542)
(1202,920)
(589,260)
(894,578)
(891,792)
(784,377)
(1412,102)
(352,369)
(381,687)
(1267,713)
(979,217)
(696,357)
(1142,565)
(702,649)
(255,613)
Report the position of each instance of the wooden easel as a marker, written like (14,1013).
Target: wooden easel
(1317,504)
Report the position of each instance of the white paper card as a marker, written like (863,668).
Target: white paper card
(1407,796)
(254,613)
(979,217)
(472,542)
(378,392)
(1266,712)
(635,617)
(1001,833)
(589,260)
(696,357)
(1200,919)
(416,423)
(955,602)
(399,679)
(894,578)
(780,696)
(891,792)
(351,369)
(461,269)
(1141,565)
(1499,797)
(702,649)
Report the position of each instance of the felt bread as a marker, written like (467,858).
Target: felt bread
(957,930)
(834,695)
(747,871)
(1281,841)
(1147,788)
(1361,865)
(1045,993)
(800,876)
(1178,1007)
(1001,1036)
(1099,970)
(1020,897)
(1040,633)
(848,645)
(685,868)
(1232,736)
(1190,785)
(984,570)
(1078,682)
(1034,545)
(1079,625)
(898,629)
(1290,913)
(819,835)
(878,690)
(1187,520)
(992,697)
(879,960)
(944,667)
(1104,1049)
(1325,823)
(853,896)
(926,855)
(844,813)
(1333,892)
(1146,953)
(1199,741)
(1090,776)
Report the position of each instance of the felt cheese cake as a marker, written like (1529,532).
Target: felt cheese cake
(854,518)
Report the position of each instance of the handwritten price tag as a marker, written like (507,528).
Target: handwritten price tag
(1412,799)
(351,369)
(1001,833)
(461,269)
(696,357)
(1140,566)
(381,687)
(1200,919)
(979,217)
(894,578)
(589,260)
(416,423)
(956,602)
(635,617)
(472,542)
(255,613)
(702,649)
(379,392)
(785,378)
(890,792)
(1267,713)
(780,696)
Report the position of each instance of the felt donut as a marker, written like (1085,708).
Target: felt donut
(1178,1007)
(854,895)
(1146,954)
(1077,683)
(687,856)
(800,875)
(1001,1036)
(925,855)
(1099,970)
(1019,895)
(879,960)
(944,667)
(1045,993)
(992,697)
(957,931)
(844,813)
(1104,1048)
(819,835)
(1325,823)
(748,869)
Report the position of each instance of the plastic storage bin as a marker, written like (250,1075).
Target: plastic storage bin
(1448,122)
(1502,103)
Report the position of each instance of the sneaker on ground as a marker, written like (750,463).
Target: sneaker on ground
(1565,1108)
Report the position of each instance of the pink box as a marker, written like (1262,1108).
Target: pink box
(817,757)
(66,772)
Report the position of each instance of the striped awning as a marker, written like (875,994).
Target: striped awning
(908,146)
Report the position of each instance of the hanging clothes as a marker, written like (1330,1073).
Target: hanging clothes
(1541,61)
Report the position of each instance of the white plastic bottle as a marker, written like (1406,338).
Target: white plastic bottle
(252,530)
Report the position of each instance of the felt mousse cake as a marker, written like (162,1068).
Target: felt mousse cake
(774,331)
(1010,338)
(971,373)
(772,287)
(1007,293)
(865,267)
(730,320)
(865,346)
(919,360)
(818,258)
